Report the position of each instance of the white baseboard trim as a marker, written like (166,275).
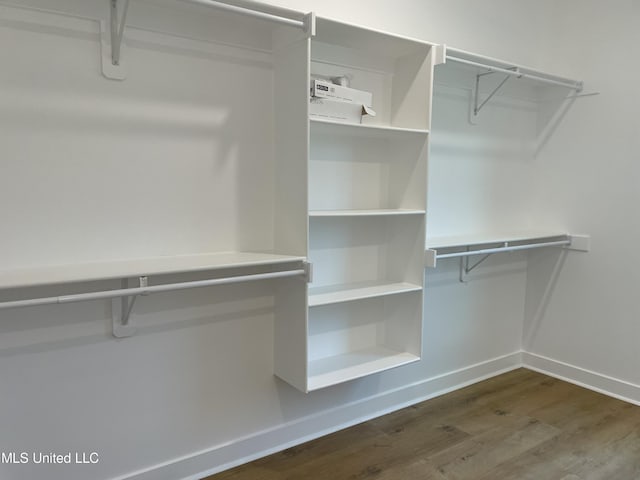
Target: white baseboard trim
(598,382)
(242,450)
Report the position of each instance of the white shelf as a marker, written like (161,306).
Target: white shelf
(365,213)
(50,275)
(366,130)
(356,291)
(485,238)
(329,371)
(482,63)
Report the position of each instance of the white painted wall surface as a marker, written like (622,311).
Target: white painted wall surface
(194,390)
(588,181)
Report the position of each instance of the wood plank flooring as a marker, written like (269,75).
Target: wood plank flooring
(518,426)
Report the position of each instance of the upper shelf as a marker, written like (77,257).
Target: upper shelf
(491,75)
(50,275)
(484,64)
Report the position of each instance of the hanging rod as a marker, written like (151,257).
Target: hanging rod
(252,13)
(517,72)
(146,290)
(505,248)
(118,25)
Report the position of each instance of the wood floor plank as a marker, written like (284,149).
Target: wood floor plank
(323,447)
(420,469)
(482,453)
(518,426)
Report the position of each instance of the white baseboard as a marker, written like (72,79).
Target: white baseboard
(259,444)
(610,386)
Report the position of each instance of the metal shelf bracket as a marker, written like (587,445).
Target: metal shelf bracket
(477,105)
(121,308)
(111,38)
(466,268)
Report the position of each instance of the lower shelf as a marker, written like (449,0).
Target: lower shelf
(341,368)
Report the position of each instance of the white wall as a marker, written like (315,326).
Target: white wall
(480,27)
(588,181)
(195,387)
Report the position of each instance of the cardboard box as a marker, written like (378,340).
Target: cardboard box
(325,89)
(335,110)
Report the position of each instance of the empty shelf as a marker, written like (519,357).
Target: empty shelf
(363,129)
(329,371)
(365,213)
(50,275)
(356,291)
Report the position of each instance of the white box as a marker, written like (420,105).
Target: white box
(324,89)
(335,110)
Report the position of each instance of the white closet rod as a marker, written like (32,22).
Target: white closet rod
(127,292)
(574,85)
(252,13)
(488,251)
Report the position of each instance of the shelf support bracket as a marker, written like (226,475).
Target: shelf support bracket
(477,104)
(121,308)
(309,21)
(466,267)
(308,271)
(111,38)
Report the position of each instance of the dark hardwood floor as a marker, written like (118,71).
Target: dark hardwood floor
(518,426)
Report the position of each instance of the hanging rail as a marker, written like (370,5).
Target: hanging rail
(118,21)
(519,73)
(252,13)
(505,248)
(579,243)
(493,66)
(146,290)
(124,298)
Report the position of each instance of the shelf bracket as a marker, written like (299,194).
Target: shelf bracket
(121,308)
(308,271)
(111,39)
(477,104)
(309,22)
(466,268)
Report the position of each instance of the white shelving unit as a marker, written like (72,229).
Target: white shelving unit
(205,186)
(238,183)
(475,188)
(361,337)
(367,214)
